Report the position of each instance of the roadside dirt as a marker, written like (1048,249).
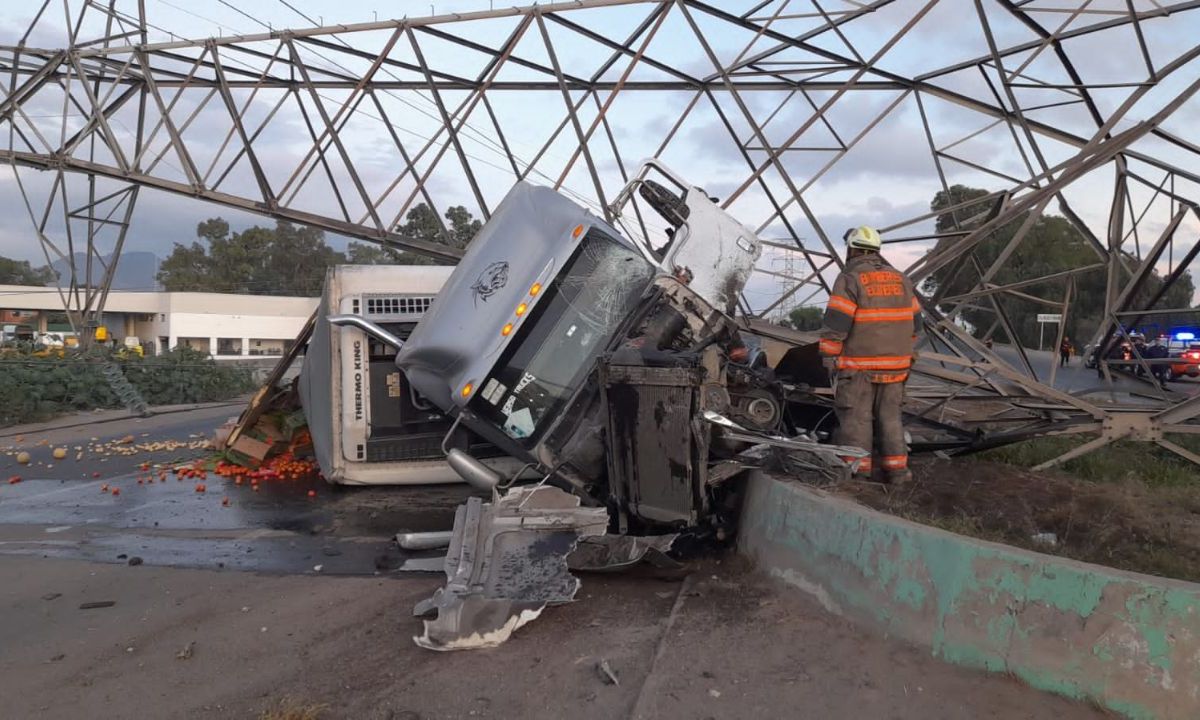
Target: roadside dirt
(723,643)
(1122,524)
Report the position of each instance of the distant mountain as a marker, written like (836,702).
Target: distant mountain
(135,270)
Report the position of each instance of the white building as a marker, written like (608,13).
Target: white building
(224,326)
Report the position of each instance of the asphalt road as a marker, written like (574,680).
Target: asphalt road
(1074,377)
(129,606)
(60,507)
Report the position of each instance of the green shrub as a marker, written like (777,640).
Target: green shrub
(35,388)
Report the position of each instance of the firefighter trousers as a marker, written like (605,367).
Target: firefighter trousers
(869,417)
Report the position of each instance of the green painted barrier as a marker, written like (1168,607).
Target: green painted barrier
(1126,641)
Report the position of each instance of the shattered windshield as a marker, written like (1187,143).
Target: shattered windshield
(557,345)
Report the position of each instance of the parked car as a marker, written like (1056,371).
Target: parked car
(1120,351)
(1188,365)
(52,340)
(14,333)
(1089,356)
(131,347)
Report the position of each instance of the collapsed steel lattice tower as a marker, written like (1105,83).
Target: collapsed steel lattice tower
(802,115)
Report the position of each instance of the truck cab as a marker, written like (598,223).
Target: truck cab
(542,291)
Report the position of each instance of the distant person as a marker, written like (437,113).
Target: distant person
(1064,352)
(1158,351)
(1138,352)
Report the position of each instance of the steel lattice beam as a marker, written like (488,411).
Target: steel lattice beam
(347,127)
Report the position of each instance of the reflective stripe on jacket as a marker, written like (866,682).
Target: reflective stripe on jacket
(872,320)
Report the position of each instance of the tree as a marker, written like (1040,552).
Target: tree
(286,260)
(1052,245)
(806,318)
(20,272)
(423,224)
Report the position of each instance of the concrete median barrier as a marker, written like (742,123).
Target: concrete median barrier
(1128,642)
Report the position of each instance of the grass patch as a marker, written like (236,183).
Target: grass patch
(1121,461)
(1128,525)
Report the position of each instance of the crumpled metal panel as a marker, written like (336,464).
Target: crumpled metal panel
(507,561)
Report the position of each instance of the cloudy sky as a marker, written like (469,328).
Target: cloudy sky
(888,177)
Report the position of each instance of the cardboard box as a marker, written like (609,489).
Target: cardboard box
(250,451)
(293,422)
(266,431)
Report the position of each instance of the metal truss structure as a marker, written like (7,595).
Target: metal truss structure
(792,112)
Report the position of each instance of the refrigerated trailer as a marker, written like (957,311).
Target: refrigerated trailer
(369,425)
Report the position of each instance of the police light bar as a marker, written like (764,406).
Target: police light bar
(1185,336)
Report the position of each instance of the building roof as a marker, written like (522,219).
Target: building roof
(24,297)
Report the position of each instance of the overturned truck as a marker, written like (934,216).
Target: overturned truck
(612,368)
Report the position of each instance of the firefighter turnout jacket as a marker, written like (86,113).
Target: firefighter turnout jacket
(872,320)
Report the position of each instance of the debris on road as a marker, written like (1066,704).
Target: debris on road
(186,652)
(613,553)
(424,540)
(430,565)
(1045,538)
(277,447)
(507,562)
(102,451)
(606,673)
(97,605)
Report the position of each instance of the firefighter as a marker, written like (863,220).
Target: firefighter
(868,340)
